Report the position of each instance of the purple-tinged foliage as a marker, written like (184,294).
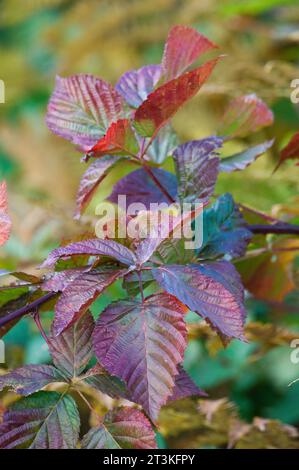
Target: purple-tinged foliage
(197,168)
(142,343)
(45,420)
(140,188)
(82,108)
(92,247)
(59,280)
(122,428)
(241,160)
(202,293)
(185,387)
(136,85)
(162,146)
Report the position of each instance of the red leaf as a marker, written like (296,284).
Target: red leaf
(164,102)
(290,151)
(244,115)
(183,46)
(5,222)
(142,343)
(119,139)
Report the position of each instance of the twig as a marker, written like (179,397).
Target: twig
(279,228)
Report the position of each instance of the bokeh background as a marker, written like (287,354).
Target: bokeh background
(42,38)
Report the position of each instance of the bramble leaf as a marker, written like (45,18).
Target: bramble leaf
(197,168)
(122,428)
(136,85)
(92,247)
(72,350)
(140,188)
(290,151)
(241,160)
(244,115)
(162,146)
(91,179)
(5,222)
(142,344)
(184,46)
(202,289)
(185,387)
(119,140)
(29,379)
(81,109)
(99,379)
(225,230)
(45,420)
(164,102)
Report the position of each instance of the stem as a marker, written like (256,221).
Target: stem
(279,228)
(86,401)
(36,318)
(140,285)
(157,182)
(26,309)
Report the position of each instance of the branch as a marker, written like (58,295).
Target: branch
(26,309)
(157,182)
(279,228)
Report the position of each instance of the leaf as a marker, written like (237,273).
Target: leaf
(244,115)
(136,85)
(29,379)
(184,46)
(14,302)
(241,160)
(81,109)
(197,168)
(119,140)
(290,151)
(142,344)
(45,420)
(202,289)
(162,146)
(91,179)
(92,247)
(80,294)
(123,428)
(100,380)
(185,387)
(164,102)
(5,222)
(72,350)
(225,230)
(140,188)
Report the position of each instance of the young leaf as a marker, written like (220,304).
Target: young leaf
(29,379)
(91,179)
(162,146)
(80,294)
(185,387)
(241,160)
(119,140)
(72,350)
(142,344)
(197,168)
(225,230)
(92,247)
(45,420)
(244,115)
(140,188)
(136,85)
(184,46)
(202,291)
(290,151)
(5,222)
(164,102)
(122,428)
(81,109)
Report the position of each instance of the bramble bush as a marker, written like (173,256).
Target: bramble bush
(134,350)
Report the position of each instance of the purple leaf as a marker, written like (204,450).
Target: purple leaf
(92,247)
(91,179)
(29,379)
(162,146)
(100,380)
(136,85)
(80,294)
(203,291)
(61,279)
(123,428)
(45,420)
(197,168)
(142,344)
(241,160)
(184,46)
(81,109)
(72,350)
(185,387)
(140,188)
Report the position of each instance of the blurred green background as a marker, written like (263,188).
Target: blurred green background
(39,39)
